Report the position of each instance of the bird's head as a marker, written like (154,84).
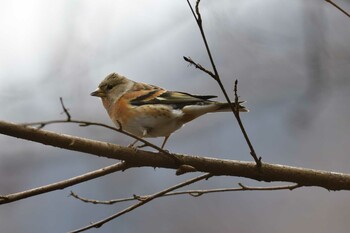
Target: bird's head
(112,87)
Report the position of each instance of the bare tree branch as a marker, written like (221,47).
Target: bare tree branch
(139,158)
(63,184)
(42,124)
(338,7)
(65,110)
(199,66)
(193,193)
(216,76)
(142,202)
(183,163)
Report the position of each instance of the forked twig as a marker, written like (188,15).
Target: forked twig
(142,202)
(65,110)
(216,76)
(193,193)
(42,124)
(200,67)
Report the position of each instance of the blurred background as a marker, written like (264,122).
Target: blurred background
(292,60)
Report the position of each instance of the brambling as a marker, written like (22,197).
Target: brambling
(146,110)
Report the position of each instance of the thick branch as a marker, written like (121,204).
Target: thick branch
(267,172)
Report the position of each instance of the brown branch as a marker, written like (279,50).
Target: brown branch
(200,67)
(193,193)
(42,124)
(63,184)
(338,7)
(249,188)
(142,202)
(216,76)
(199,22)
(110,202)
(139,158)
(65,110)
(89,123)
(240,123)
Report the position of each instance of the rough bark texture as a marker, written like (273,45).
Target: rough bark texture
(139,158)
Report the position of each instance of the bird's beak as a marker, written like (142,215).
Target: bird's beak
(98,93)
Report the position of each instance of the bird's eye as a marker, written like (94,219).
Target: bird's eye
(109,87)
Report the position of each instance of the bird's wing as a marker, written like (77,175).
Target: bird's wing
(178,100)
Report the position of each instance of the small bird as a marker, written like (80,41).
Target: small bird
(146,110)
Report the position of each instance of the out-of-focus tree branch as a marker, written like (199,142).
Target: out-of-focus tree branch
(193,193)
(142,202)
(63,184)
(139,158)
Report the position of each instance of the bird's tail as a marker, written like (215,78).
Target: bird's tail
(225,107)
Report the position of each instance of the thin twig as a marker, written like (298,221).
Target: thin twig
(65,110)
(250,188)
(193,193)
(42,124)
(65,183)
(199,66)
(216,76)
(142,202)
(193,13)
(198,19)
(240,123)
(89,123)
(235,90)
(110,202)
(338,7)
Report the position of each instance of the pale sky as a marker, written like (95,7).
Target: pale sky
(292,62)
